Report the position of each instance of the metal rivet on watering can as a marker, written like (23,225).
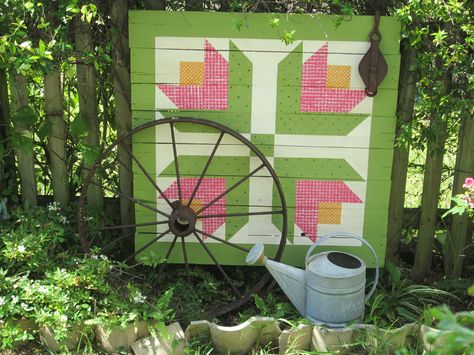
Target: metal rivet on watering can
(331,290)
(373,67)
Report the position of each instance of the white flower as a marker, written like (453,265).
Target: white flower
(63,318)
(2,301)
(139,298)
(53,206)
(15,299)
(21,248)
(95,257)
(43,289)
(63,219)
(103,257)
(24,306)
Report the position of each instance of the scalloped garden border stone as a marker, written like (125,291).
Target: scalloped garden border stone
(239,339)
(263,331)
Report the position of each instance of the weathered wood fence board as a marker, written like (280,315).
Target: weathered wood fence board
(302,104)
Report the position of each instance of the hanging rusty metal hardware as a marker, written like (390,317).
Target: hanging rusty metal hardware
(373,67)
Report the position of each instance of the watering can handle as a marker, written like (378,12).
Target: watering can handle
(320,241)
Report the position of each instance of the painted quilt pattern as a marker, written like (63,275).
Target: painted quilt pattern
(327,88)
(320,202)
(302,104)
(202,85)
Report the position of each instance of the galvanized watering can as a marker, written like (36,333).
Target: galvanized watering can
(331,290)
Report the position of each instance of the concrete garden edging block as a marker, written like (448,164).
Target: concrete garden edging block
(198,330)
(390,340)
(295,339)
(239,339)
(376,339)
(171,343)
(116,339)
(333,339)
(47,336)
(425,332)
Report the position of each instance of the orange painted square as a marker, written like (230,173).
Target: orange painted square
(329,213)
(191,73)
(196,205)
(338,76)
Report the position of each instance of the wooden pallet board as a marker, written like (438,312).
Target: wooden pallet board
(302,105)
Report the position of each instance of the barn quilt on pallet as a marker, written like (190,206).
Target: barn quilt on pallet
(302,104)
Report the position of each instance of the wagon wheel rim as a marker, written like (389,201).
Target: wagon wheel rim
(181,222)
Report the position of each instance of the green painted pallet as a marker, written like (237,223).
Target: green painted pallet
(303,106)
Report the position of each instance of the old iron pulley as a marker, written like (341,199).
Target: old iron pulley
(373,67)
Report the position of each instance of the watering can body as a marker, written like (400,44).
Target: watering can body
(331,290)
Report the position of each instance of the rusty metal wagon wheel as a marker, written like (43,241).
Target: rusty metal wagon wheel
(173,212)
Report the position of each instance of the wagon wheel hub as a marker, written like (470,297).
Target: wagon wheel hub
(182,220)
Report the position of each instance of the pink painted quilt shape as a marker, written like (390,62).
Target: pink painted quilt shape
(212,94)
(310,193)
(316,96)
(209,189)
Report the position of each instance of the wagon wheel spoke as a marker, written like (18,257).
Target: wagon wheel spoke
(243,214)
(147,244)
(168,253)
(223,241)
(126,226)
(115,241)
(208,163)
(237,184)
(185,257)
(148,176)
(176,164)
(134,200)
(226,277)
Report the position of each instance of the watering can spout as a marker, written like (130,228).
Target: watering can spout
(291,279)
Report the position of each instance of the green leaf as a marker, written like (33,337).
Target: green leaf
(237,24)
(70,72)
(288,37)
(44,129)
(394,272)
(22,141)
(79,127)
(25,117)
(43,25)
(274,22)
(90,153)
(41,46)
(470,290)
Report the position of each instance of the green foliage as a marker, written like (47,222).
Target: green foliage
(34,239)
(194,298)
(25,117)
(43,279)
(398,301)
(272,307)
(464,203)
(22,140)
(457,331)
(79,128)
(44,129)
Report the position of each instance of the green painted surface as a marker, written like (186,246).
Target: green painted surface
(264,142)
(343,151)
(314,168)
(145,25)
